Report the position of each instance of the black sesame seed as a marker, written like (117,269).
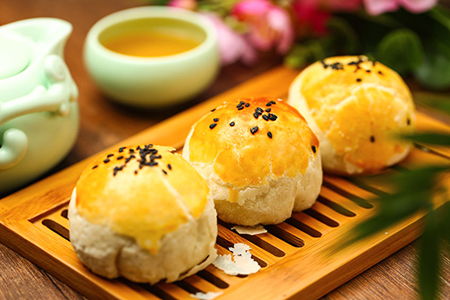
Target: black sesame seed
(242,102)
(109,155)
(153,163)
(266,117)
(269,134)
(121,149)
(119,157)
(212,125)
(95,167)
(169,166)
(313,148)
(232,124)
(131,150)
(164,171)
(240,108)
(259,110)
(247,104)
(273,102)
(269,103)
(216,119)
(117,169)
(272,117)
(256,115)
(213,109)
(408,121)
(368,71)
(268,109)
(253,130)
(240,105)
(358,79)
(106,161)
(129,158)
(381,73)
(372,139)
(135,171)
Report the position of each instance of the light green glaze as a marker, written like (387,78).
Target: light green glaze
(38,108)
(152,81)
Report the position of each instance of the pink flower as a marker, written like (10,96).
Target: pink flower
(376,7)
(310,16)
(268,25)
(186,4)
(340,5)
(232,46)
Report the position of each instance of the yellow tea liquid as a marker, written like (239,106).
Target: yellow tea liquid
(149,43)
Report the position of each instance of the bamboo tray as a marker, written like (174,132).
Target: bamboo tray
(294,255)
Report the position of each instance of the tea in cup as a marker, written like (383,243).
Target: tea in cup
(152,56)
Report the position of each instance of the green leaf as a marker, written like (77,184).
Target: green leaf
(306,52)
(444,228)
(441,102)
(418,179)
(345,35)
(431,138)
(434,73)
(441,15)
(401,50)
(415,190)
(298,57)
(158,2)
(429,258)
(386,20)
(393,208)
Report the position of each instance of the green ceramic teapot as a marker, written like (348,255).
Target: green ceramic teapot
(38,108)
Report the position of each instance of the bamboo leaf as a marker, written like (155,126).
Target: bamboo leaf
(444,227)
(415,190)
(418,179)
(431,138)
(429,258)
(436,101)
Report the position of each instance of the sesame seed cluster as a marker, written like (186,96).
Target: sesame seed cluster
(147,156)
(265,113)
(257,112)
(338,66)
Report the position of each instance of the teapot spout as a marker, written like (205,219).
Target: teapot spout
(49,34)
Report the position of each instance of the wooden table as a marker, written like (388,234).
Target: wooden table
(104,123)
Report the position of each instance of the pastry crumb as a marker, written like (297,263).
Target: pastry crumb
(241,263)
(207,296)
(250,230)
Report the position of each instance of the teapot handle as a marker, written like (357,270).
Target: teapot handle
(55,99)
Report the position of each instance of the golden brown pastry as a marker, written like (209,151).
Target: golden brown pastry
(259,158)
(143,213)
(355,107)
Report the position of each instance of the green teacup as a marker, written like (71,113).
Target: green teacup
(152,79)
(38,108)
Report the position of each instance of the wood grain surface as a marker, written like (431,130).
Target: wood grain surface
(104,123)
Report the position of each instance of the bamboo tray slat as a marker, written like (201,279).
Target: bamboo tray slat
(294,255)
